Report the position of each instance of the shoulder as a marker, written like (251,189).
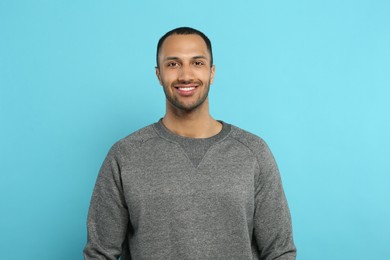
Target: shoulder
(252,141)
(259,149)
(134,140)
(140,136)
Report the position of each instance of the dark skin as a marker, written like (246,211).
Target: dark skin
(186,73)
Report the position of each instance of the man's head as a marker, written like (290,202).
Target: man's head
(184,31)
(185,69)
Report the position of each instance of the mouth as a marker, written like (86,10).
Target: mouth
(186,90)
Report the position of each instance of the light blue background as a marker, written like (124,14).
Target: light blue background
(310,77)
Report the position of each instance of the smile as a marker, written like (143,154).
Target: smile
(186,90)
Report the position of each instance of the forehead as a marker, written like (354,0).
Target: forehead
(188,45)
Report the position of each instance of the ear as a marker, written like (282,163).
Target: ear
(158,75)
(212,74)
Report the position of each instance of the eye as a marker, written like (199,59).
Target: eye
(198,63)
(172,64)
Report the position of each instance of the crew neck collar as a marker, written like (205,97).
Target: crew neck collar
(166,133)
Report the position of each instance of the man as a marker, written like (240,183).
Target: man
(189,186)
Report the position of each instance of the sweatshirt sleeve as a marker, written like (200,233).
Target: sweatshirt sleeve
(272,221)
(108,215)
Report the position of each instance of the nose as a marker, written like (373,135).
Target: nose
(186,73)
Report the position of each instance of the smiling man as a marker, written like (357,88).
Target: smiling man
(186,71)
(189,186)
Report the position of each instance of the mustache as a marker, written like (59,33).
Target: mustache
(186,82)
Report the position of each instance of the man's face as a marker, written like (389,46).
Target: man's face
(185,71)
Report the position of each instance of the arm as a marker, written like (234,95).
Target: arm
(272,221)
(108,215)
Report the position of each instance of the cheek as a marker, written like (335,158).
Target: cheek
(168,79)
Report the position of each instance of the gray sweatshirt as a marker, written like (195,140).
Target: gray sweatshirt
(162,196)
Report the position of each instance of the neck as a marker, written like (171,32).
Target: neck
(193,124)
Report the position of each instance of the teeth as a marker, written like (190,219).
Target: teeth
(187,89)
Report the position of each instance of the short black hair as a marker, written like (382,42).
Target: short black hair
(184,31)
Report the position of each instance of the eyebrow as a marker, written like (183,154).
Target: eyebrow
(171,58)
(200,57)
(177,58)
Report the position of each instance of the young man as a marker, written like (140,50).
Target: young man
(189,186)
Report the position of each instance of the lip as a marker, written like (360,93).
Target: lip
(186,89)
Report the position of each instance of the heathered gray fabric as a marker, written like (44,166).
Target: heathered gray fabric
(194,148)
(152,202)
